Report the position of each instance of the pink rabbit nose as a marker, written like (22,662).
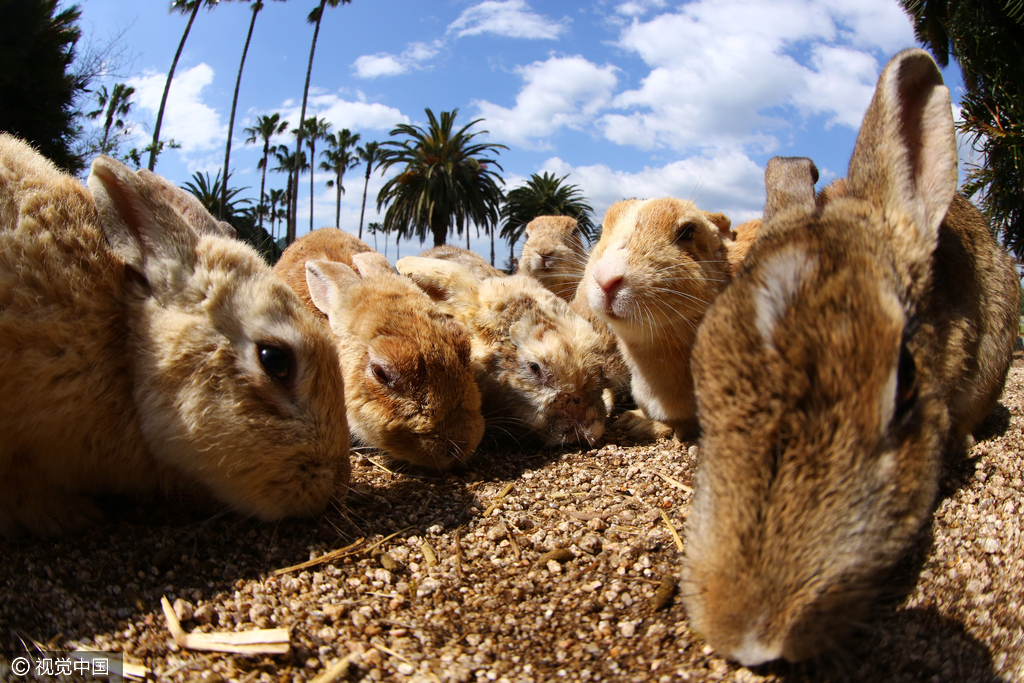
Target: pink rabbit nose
(608,274)
(544,258)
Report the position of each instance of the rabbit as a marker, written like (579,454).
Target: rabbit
(537,363)
(554,254)
(867,333)
(651,276)
(138,353)
(472,260)
(326,244)
(409,387)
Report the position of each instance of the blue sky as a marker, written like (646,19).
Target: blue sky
(630,98)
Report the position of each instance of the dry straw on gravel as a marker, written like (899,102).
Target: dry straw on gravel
(526,566)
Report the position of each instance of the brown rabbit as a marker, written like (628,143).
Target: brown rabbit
(536,362)
(325,244)
(554,254)
(409,388)
(657,267)
(475,262)
(864,335)
(138,352)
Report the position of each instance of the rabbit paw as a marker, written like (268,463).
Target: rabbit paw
(640,428)
(50,515)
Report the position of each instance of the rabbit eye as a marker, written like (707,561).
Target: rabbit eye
(276,361)
(906,381)
(382,374)
(536,369)
(685,232)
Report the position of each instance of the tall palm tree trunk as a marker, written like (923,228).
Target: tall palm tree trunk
(439,228)
(312,175)
(337,209)
(263,182)
(290,237)
(362,214)
(256,7)
(167,87)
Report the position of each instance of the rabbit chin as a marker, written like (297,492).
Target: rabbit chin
(274,486)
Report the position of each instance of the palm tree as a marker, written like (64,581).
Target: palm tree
(291,163)
(445,177)
(182,7)
(314,18)
(256,6)
(266,127)
(313,129)
(210,194)
(544,195)
(369,154)
(116,103)
(373,229)
(339,159)
(274,197)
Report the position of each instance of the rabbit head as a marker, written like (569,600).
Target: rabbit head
(236,385)
(475,262)
(409,387)
(825,376)
(537,363)
(659,264)
(554,254)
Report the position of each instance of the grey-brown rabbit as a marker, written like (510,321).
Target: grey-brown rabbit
(865,334)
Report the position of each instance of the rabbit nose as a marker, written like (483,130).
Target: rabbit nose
(544,258)
(608,274)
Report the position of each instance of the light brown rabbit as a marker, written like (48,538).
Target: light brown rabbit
(409,387)
(863,336)
(536,362)
(475,262)
(325,244)
(651,277)
(136,353)
(555,254)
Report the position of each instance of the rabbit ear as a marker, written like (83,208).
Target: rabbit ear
(441,280)
(327,282)
(143,228)
(905,158)
(789,185)
(186,203)
(720,221)
(372,264)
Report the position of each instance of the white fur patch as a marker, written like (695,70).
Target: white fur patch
(887,399)
(753,651)
(782,276)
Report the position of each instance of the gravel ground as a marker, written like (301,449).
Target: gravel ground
(526,566)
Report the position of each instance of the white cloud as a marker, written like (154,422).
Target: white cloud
(385,64)
(638,8)
(559,92)
(187,119)
(839,85)
(729,72)
(357,116)
(726,181)
(510,18)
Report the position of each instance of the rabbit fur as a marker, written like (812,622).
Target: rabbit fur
(868,331)
(554,254)
(536,362)
(138,352)
(651,277)
(475,262)
(409,387)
